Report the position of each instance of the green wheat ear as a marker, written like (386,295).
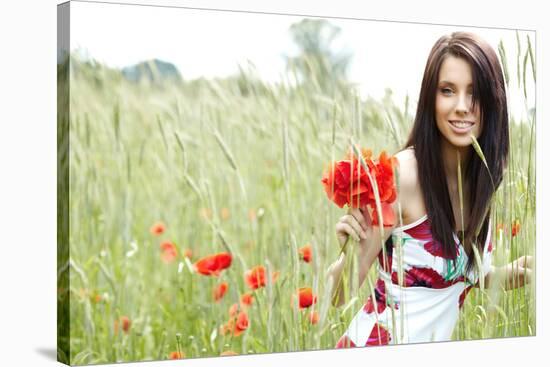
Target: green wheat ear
(479,152)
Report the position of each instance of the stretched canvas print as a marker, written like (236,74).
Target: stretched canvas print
(235,183)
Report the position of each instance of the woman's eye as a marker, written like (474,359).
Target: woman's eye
(446,90)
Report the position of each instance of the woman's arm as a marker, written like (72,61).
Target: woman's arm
(358,222)
(370,241)
(514,275)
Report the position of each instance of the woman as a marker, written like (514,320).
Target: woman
(418,294)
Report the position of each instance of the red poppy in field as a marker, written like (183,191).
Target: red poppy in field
(169,252)
(313,317)
(234,309)
(176,355)
(205,213)
(236,325)
(229,353)
(255,277)
(157,229)
(515,228)
(219,291)
(252,215)
(188,253)
(96,297)
(306,298)
(246,300)
(305,253)
(224,213)
(125,322)
(213,264)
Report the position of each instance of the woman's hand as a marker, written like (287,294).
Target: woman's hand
(516,274)
(520,271)
(356,223)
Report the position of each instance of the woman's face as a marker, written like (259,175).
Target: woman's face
(456,120)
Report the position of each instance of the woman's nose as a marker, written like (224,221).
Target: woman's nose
(463,103)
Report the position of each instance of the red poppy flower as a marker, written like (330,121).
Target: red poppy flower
(388,215)
(213,264)
(247,299)
(343,184)
(234,309)
(305,253)
(228,353)
(236,325)
(157,228)
(96,297)
(515,228)
(125,322)
(205,213)
(346,183)
(169,252)
(306,297)
(255,277)
(313,317)
(241,323)
(224,213)
(188,253)
(219,291)
(385,179)
(176,355)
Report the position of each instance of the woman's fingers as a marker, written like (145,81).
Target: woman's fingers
(525,262)
(528,261)
(366,216)
(344,228)
(359,217)
(355,223)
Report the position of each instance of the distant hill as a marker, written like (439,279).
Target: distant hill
(153,70)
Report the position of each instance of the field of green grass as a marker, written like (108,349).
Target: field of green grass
(234,165)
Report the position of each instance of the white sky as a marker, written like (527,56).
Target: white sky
(213,43)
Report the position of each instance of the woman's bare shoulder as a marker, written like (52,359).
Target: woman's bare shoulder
(410,192)
(408,169)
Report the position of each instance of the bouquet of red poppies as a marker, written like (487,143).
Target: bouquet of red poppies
(358,179)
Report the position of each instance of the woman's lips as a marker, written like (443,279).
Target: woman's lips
(461,126)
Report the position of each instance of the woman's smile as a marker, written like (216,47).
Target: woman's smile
(461,126)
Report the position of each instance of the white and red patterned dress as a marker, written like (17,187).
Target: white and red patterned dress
(426,307)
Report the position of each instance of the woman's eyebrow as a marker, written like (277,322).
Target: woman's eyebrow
(446,82)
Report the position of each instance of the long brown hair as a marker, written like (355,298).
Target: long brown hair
(490,95)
